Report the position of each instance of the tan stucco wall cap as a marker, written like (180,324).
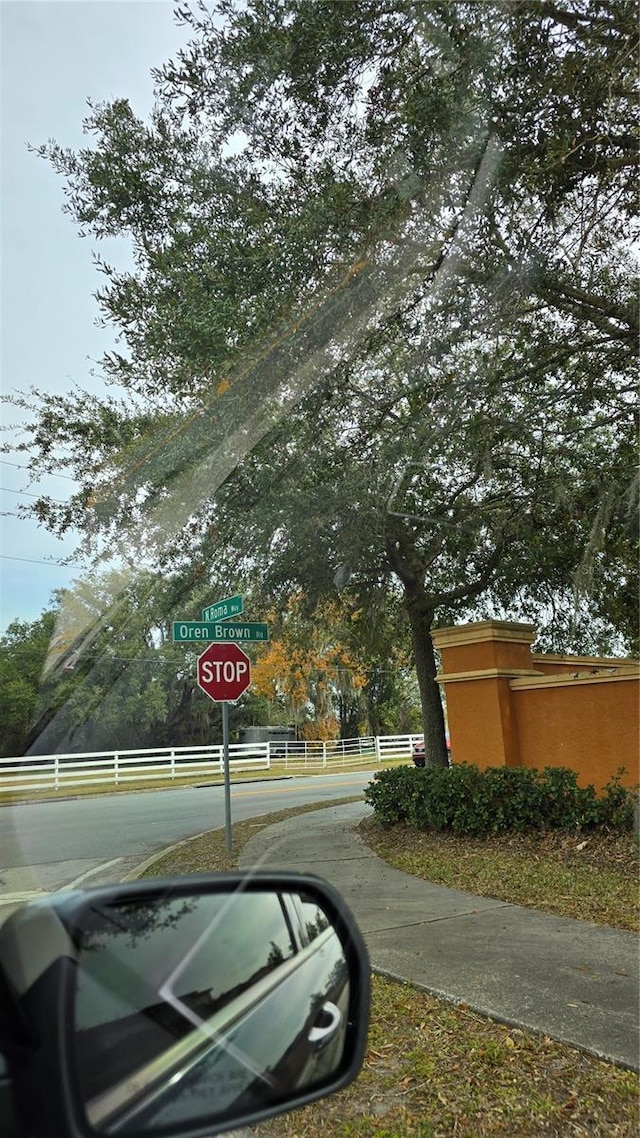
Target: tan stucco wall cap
(574,680)
(586,661)
(485,674)
(484,630)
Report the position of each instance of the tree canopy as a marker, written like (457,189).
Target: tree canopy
(382,313)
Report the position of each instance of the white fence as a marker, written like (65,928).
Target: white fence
(342,752)
(319,753)
(93,768)
(55,772)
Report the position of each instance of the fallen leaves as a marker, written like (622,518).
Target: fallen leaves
(597,881)
(469,1077)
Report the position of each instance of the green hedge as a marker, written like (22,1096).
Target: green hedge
(464,800)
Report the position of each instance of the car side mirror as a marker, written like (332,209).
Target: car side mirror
(184,1007)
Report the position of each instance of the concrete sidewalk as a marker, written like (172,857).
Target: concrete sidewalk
(573,981)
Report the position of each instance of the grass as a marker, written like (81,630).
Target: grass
(592,877)
(435,1070)
(9,798)
(207,853)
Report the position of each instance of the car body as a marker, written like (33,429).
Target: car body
(418,752)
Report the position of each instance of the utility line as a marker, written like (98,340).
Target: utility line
(27,494)
(48,473)
(35,561)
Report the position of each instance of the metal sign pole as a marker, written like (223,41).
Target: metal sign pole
(227,781)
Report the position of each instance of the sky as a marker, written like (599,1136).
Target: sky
(55,54)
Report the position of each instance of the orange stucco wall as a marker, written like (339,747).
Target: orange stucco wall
(507,706)
(488,644)
(591,726)
(481,723)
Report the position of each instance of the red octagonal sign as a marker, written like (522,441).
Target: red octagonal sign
(224,672)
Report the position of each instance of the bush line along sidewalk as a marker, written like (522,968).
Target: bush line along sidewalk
(461,799)
(528,837)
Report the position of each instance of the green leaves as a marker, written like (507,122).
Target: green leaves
(464,800)
(23,649)
(381,311)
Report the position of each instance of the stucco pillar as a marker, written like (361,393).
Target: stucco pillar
(478,661)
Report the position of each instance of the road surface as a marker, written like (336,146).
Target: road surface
(51,845)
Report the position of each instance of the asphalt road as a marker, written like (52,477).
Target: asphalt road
(51,845)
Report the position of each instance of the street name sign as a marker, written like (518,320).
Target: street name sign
(190,630)
(222,610)
(237,630)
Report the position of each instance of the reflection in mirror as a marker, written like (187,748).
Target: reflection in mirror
(194,1007)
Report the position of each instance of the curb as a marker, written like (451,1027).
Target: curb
(240,782)
(521,1024)
(136,873)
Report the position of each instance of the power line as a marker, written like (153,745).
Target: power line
(26,494)
(35,561)
(49,473)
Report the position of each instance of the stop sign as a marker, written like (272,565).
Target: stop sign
(224,672)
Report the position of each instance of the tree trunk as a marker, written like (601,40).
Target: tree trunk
(435,742)
(407,566)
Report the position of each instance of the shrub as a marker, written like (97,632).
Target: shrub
(448,803)
(616,806)
(565,805)
(464,800)
(389,794)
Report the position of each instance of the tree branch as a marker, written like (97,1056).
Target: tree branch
(466,592)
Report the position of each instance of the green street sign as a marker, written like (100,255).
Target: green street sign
(192,630)
(236,630)
(222,610)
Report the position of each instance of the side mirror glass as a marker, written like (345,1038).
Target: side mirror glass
(193,1007)
(201,1005)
